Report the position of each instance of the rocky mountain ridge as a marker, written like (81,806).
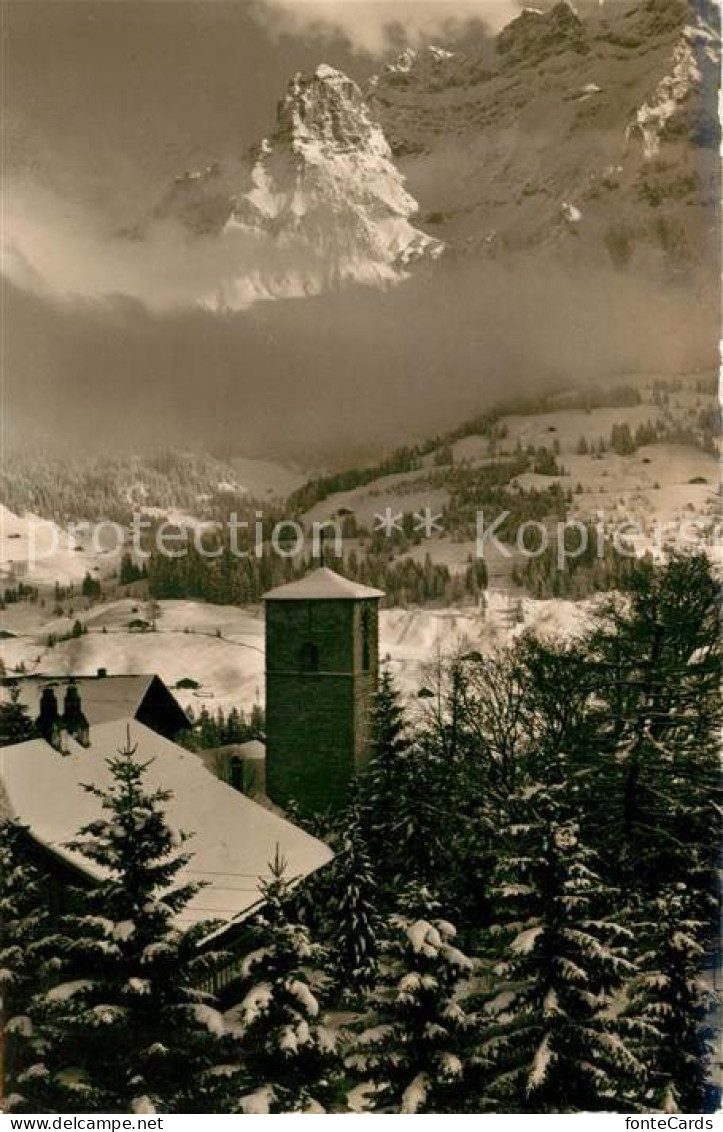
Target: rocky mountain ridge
(593,138)
(325,182)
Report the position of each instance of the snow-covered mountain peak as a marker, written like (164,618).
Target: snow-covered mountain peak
(594,138)
(326,107)
(323,193)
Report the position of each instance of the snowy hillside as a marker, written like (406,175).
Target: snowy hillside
(642,453)
(68,487)
(39,551)
(222,647)
(667,473)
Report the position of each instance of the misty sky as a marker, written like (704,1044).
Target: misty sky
(108,100)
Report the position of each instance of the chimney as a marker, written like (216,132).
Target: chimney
(48,719)
(74,720)
(101,673)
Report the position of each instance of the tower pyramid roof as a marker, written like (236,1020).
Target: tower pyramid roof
(322,585)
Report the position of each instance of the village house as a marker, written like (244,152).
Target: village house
(321,677)
(104,698)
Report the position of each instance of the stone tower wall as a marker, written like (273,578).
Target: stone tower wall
(318,697)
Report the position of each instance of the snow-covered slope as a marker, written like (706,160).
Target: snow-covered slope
(663,485)
(230,667)
(36,551)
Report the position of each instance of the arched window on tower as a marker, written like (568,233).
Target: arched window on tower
(309,657)
(366,627)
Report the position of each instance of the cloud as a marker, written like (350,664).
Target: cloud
(54,246)
(333,377)
(375,26)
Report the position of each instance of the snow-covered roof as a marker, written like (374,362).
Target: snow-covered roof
(234,838)
(322,584)
(252,749)
(104,698)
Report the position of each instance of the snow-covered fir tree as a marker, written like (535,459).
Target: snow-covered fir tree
(654,771)
(289,1060)
(124,1027)
(353,909)
(401,794)
(26,945)
(410,1054)
(15,723)
(672,995)
(420,837)
(382,778)
(549,1039)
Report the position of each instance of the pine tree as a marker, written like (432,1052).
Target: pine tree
(124,1027)
(129,572)
(15,723)
(557,954)
(400,794)
(411,1050)
(380,784)
(288,1054)
(207,729)
(90,587)
(353,909)
(389,743)
(25,935)
(654,773)
(420,836)
(671,995)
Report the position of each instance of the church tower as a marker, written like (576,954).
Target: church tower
(322,672)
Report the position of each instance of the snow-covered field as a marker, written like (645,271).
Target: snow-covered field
(229,667)
(33,549)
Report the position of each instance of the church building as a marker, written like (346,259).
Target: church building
(322,674)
